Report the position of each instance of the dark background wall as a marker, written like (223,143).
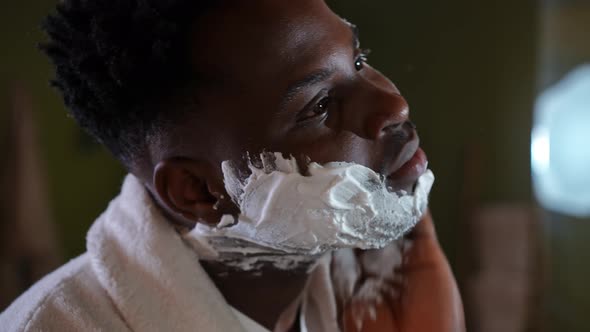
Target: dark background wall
(81,176)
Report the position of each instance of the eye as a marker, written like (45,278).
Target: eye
(361,59)
(322,106)
(319,109)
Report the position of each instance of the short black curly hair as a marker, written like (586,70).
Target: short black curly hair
(116,60)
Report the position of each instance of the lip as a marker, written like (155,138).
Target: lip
(409,166)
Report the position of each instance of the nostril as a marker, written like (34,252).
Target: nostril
(392,128)
(397,133)
(384,122)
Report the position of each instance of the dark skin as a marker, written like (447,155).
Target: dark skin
(287,76)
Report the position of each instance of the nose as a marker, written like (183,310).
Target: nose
(374,108)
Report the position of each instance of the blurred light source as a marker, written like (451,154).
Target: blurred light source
(540,150)
(560,145)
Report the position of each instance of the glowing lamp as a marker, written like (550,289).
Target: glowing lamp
(560,145)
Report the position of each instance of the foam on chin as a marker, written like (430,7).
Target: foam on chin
(285,214)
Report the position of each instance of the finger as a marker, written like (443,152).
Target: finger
(430,299)
(424,228)
(424,247)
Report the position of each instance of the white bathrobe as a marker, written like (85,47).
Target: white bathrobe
(139,275)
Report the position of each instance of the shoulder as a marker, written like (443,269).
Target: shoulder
(69,298)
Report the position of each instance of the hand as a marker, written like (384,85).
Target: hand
(428,299)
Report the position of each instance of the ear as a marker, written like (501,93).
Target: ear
(189,191)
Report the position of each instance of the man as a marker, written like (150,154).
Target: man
(196,96)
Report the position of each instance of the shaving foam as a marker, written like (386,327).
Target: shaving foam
(287,218)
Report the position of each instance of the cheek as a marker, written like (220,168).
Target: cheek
(250,130)
(344,146)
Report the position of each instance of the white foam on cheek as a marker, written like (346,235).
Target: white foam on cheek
(339,205)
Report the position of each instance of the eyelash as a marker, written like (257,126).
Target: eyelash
(318,108)
(361,59)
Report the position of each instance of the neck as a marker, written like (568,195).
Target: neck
(262,294)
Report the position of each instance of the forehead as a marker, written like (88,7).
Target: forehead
(243,41)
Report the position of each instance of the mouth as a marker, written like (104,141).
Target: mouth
(410,164)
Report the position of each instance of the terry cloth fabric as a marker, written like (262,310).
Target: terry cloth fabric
(139,275)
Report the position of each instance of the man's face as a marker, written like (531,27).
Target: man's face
(288,76)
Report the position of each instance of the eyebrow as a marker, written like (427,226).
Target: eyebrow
(356,41)
(319,75)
